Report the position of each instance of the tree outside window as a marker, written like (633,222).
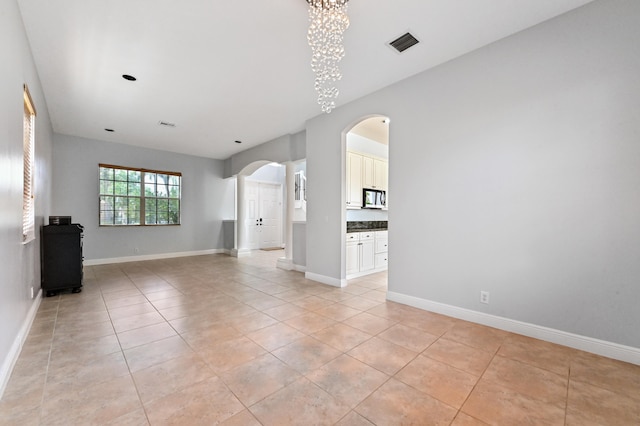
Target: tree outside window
(139,196)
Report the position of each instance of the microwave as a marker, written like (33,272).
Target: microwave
(373,199)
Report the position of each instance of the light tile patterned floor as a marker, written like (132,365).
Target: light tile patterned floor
(216,340)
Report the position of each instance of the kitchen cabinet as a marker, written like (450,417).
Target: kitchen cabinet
(354,180)
(380,174)
(362,251)
(374,173)
(367,252)
(353,257)
(364,172)
(381,259)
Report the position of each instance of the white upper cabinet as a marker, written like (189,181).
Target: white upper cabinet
(368,172)
(364,171)
(374,173)
(380,173)
(354,180)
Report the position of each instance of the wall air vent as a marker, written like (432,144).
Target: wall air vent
(404,42)
(166,123)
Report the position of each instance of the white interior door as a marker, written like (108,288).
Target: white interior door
(252,223)
(270,215)
(263,202)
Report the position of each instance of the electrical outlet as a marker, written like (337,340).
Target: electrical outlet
(32,292)
(484,297)
(136,250)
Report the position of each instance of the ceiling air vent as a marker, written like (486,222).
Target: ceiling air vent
(404,42)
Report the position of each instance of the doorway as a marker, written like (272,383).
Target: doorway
(367,172)
(263,202)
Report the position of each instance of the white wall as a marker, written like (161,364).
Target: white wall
(279,150)
(513,169)
(271,173)
(20,263)
(207,199)
(364,145)
(355,215)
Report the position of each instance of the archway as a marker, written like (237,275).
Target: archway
(366,193)
(259,204)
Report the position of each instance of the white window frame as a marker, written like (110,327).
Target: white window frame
(28,190)
(108,198)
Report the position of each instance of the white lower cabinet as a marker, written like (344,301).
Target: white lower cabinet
(363,253)
(382,248)
(382,261)
(353,257)
(367,252)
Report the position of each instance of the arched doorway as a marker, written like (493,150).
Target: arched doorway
(366,196)
(260,207)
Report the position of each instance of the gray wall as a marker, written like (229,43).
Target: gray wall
(299,253)
(279,150)
(207,198)
(516,170)
(269,173)
(229,234)
(20,262)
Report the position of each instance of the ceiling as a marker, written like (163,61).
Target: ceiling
(374,128)
(223,71)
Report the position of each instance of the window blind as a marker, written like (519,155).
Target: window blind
(28,204)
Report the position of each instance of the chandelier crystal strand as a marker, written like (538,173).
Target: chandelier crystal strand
(328,21)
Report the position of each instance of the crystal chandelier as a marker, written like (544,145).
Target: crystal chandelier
(328,21)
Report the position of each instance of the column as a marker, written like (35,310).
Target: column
(286,262)
(240,245)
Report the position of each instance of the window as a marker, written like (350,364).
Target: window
(131,196)
(28,146)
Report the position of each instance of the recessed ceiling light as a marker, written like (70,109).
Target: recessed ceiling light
(238,141)
(129,77)
(109,130)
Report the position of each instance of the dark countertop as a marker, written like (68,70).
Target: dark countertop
(366,230)
(367,226)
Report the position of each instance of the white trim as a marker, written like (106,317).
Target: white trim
(325,280)
(284,263)
(588,344)
(240,252)
(12,356)
(299,268)
(365,273)
(92,262)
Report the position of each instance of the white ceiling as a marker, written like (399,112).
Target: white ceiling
(374,128)
(235,70)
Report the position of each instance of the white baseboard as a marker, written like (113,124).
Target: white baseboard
(18,342)
(284,263)
(299,268)
(325,280)
(240,252)
(576,341)
(92,262)
(365,273)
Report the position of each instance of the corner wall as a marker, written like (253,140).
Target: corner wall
(20,262)
(207,199)
(513,170)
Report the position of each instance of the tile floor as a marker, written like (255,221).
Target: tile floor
(216,340)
